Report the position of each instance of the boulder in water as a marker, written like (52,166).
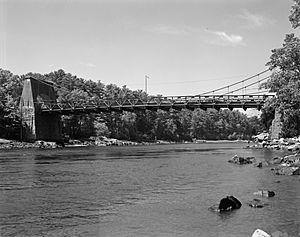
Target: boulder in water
(229,203)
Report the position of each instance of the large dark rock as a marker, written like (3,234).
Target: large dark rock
(229,203)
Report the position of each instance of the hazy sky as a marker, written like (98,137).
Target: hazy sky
(186,47)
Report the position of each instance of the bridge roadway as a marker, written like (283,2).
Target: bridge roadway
(154,103)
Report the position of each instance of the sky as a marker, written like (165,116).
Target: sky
(184,47)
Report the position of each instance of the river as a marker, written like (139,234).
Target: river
(141,191)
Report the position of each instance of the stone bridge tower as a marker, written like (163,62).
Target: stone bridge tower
(39,126)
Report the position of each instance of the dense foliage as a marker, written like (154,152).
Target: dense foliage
(295,14)
(285,79)
(182,125)
(10,92)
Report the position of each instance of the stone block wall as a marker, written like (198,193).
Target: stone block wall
(276,128)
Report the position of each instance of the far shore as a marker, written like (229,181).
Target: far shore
(288,144)
(12,144)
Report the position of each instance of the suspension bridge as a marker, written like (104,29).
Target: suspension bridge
(216,99)
(41,111)
(154,103)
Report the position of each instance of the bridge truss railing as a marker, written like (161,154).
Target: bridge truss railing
(155,103)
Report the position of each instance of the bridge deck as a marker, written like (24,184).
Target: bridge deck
(155,103)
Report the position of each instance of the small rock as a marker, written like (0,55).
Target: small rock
(265,193)
(260,233)
(256,203)
(259,165)
(241,160)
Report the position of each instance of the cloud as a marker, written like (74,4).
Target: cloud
(224,39)
(232,39)
(50,65)
(167,30)
(252,20)
(207,36)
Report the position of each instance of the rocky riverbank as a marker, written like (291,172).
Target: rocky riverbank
(10,144)
(287,165)
(287,144)
(92,141)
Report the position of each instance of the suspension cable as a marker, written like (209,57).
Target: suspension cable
(244,87)
(236,83)
(258,92)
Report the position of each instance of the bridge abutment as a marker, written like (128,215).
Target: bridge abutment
(276,127)
(39,126)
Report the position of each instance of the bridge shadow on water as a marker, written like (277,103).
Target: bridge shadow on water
(57,158)
(109,154)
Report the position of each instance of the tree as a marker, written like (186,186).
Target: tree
(295,14)
(145,126)
(138,126)
(10,92)
(184,125)
(197,124)
(101,128)
(285,79)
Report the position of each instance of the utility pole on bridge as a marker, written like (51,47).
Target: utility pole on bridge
(146,83)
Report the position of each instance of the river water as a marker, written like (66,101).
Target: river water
(157,190)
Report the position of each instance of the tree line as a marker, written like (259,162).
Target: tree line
(184,125)
(174,126)
(285,79)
